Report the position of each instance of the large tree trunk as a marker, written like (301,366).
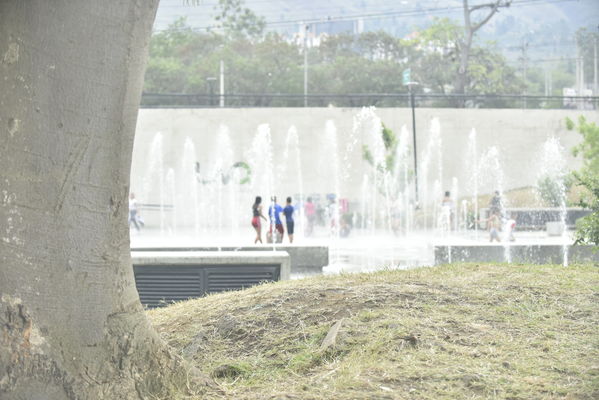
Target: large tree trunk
(462,75)
(71,324)
(464,51)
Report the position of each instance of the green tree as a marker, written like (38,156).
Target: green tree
(588,176)
(182,60)
(239,21)
(588,149)
(435,56)
(465,41)
(385,169)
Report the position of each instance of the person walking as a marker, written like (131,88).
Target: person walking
(133,212)
(310,212)
(256,215)
(274,213)
(496,204)
(288,212)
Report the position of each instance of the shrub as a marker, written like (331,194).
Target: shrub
(588,228)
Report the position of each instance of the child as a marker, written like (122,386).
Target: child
(288,212)
(494,226)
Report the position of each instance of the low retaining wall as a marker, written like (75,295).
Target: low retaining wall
(530,254)
(302,258)
(164,277)
(533,219)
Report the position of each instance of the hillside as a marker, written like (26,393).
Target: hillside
(460,331)
(545,28)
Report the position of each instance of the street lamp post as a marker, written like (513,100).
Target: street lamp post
(414,140)
(410,84)
(222,84)
(306,29)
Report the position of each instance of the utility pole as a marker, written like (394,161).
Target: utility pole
(306,28)
(595,86)
(524,74)
(222,83)
(546,73)
(579,77)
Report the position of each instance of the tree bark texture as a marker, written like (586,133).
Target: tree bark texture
(71,324)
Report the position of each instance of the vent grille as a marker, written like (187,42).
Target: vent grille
(220,281)
(159,285)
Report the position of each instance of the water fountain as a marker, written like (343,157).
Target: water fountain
(359,172)
(454,200)
(171,188)
(472,166)
(551,187)
(292,165)
(188,200)
(153,182)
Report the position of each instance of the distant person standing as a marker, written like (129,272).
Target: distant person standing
(510,227)
(446,216)
(495,204)
(274,213)
(256,215)
(288,212)
(333,214)
(133,213)
(494,226)
(310,211)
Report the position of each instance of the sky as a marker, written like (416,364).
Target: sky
(286,14)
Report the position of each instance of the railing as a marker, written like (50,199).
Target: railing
(180,100)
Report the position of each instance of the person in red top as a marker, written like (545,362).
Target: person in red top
(310,211)
(256,215)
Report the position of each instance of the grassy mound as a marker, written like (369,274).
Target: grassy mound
(460,331)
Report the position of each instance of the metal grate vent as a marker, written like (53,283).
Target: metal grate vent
(159,285)
(238,278)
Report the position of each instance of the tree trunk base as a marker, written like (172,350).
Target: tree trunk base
(140,365)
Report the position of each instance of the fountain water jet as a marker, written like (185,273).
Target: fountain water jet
(188,200)
(551,184)
(292,147)
(155,171)
(472,165)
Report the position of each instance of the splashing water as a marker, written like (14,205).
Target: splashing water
(155,172)
(551,186)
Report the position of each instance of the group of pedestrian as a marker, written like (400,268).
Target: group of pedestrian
(276,230)
(498,222)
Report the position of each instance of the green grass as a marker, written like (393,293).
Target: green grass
(459,331)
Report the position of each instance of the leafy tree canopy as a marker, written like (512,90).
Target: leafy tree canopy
(588,227)
(182,60)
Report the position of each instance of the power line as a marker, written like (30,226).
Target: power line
(381,15)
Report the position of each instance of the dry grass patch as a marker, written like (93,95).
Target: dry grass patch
(460,331)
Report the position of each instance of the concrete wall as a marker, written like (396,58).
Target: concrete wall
(529,254)
(302,258)
(517,134)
